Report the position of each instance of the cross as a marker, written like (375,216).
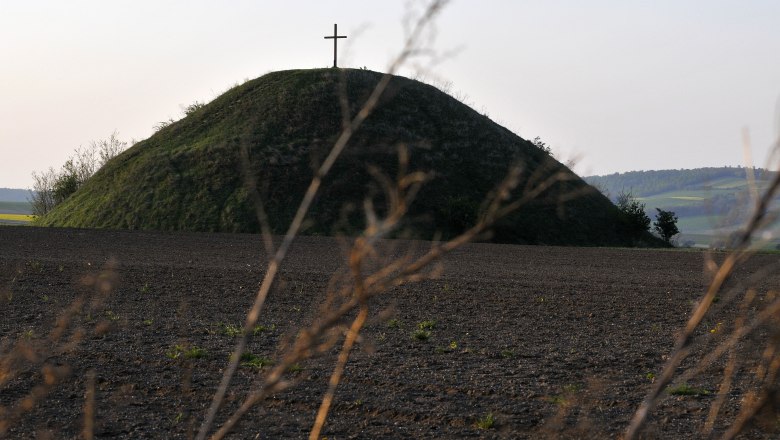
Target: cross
(335,38)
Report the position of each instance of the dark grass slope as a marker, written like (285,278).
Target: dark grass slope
(192,175)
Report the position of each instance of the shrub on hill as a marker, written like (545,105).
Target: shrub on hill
(52,187)
(633,214)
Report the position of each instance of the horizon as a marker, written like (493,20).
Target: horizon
(626,87)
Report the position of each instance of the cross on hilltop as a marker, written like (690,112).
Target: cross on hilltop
(335,39)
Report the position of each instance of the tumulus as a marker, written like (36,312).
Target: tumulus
(200,173)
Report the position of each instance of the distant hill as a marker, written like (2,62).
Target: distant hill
(192,174)
(14,195)
(710,202)
(648,183)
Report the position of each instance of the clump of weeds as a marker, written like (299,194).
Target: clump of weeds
(421,335)
(488,421)
(186,352)
(687,390)
(427,325)
(255,362)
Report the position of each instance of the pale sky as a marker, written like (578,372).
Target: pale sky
(623,84)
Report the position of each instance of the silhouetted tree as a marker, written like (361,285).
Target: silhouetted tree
(633,213)
(665,224)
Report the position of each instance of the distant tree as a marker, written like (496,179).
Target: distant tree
(42,194)
(52,187)
(633,213)
(665,224)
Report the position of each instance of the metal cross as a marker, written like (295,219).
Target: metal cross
(335,38)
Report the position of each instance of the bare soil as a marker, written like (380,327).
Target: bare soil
(552,341)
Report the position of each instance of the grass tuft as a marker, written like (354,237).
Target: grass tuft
(687,390)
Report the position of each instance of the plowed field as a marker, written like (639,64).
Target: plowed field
(550,341)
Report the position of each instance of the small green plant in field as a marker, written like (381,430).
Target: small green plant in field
(557,400)
(61,268)
(295,368)
(448,349)
(262,328)
(446,288)
(563,399)
(145,288)
(195,353)
(180,351)
(29,334)
(650,376)
(35,265)
(175,352)
(45,298)
(179,417)
(687,390)
(507,354)
(394,323)
(231,330)
(716,329)
(421,335)
(486,422)
(427,325)
(111,316)
(148,321)
(250,360)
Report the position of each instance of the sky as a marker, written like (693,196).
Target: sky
(618,85)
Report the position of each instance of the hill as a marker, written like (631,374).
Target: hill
(710,202)
(193,174)
(14,195)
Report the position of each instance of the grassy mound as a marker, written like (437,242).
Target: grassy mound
(197,174)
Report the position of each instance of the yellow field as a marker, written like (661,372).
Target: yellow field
(16,217)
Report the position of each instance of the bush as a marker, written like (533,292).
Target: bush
(665,224)
(633,214)
(51,187)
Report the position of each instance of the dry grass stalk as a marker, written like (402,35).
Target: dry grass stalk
(339,303)
(766,369)
(29,355)
(410,49)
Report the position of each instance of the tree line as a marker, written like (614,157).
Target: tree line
(648,183)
